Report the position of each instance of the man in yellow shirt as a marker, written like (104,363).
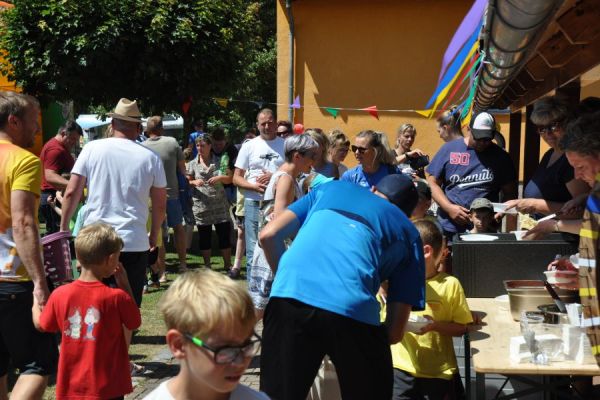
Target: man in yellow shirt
(22,277)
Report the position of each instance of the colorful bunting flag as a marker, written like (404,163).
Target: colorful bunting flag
(222,102)
(468,25)
(296,103)
(372,110)
(333,111)
(455,67)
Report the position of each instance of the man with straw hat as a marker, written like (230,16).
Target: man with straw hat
(121,175)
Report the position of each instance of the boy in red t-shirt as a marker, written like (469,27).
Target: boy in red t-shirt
(93,361)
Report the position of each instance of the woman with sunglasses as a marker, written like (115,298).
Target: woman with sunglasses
(375,159)
(553,183)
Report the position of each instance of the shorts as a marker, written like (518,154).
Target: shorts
(31,351)
(135,264)
(174,213)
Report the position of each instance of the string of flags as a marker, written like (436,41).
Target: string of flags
(333,111)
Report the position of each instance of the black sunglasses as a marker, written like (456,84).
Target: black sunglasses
(361,150)
(228,354)
(279,133)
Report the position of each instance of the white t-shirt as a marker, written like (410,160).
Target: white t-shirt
(258,155)
(241,392)
(120,173)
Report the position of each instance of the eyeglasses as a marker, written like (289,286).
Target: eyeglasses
(545,129)
(361,150)
(280,133)
(228,354)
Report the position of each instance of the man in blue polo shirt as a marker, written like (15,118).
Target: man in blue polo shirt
(348,241)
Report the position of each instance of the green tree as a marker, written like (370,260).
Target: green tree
(157,51)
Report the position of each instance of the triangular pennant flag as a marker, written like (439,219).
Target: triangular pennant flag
(185,107)
(333,111)
(372,110)
(222,102)
(259,103)
(425,113)
(296,103)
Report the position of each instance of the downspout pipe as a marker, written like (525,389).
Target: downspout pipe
(512,31)
(290,14)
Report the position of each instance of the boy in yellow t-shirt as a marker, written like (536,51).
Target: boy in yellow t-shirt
(424,362)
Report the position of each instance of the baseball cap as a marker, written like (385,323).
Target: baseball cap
(400,190)
(481,203)
(483,126)
(423,189)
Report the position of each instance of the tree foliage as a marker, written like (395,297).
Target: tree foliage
(157,51)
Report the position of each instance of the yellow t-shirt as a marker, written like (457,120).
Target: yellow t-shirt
(19,170)
(432,355)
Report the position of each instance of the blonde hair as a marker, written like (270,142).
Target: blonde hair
(13,103)
(199,302)
(338,138)
(95,242)
(384,154)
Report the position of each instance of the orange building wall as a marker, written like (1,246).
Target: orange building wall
(361,53)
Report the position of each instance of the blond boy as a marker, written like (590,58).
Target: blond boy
(210,329)
(93,360)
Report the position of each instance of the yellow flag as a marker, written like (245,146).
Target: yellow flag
(222,102)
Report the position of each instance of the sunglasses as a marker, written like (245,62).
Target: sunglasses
(545,129)
(228,354)
(284,132)
(361,150)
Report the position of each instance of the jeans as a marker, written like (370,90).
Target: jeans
(251,219)
(51,218)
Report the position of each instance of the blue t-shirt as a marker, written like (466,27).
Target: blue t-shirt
(192,141)
(550,182)
(350,241)
(467,175)
(357,175)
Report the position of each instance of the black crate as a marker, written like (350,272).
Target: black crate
(481,267)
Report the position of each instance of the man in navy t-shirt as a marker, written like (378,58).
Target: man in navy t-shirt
(469,168)
(348,241)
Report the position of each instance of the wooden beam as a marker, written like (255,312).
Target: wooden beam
(587,58)
(514,138)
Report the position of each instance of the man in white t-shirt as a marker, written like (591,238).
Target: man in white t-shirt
(121,175)
(257,160)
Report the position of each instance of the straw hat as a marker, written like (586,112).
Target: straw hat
(127,110)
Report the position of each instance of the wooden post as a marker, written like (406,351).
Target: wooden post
(531,158)
(514,139)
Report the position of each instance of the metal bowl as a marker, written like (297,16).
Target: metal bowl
(527,295)
(552,315)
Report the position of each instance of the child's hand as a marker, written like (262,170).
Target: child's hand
(121,276)
(429,327)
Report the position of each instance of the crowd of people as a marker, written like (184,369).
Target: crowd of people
(337,258)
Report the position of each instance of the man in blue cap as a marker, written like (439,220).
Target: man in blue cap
(348,240)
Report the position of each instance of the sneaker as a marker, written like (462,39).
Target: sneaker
(154,284)
(137,370)
(234,273)
(163,278)
(145,290)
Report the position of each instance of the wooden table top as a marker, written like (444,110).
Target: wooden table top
(490,346)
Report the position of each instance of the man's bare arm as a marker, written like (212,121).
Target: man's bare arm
(55,179)
(271,238)
(27,241)
(158,196)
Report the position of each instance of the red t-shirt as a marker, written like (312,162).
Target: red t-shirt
(93,361)
(54,156)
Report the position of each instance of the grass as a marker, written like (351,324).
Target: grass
(150,338)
